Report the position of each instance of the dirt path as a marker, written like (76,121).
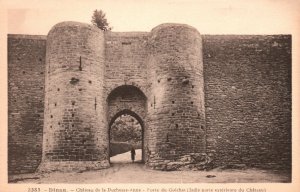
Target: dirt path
(126,157)
(123,171)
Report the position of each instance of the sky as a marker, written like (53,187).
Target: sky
(36,17)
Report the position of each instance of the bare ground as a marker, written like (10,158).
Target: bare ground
(123,171)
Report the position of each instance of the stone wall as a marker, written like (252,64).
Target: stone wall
(176,112)
(124,99)
(248,99)
(26,67)
(125,60)
(75,128)
(228,97)
(126,76)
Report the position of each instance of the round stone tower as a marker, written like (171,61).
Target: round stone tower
(176,108)
(75,127)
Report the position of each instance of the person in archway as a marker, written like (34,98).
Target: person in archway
(132,154)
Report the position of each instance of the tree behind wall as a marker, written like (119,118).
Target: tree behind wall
(100,21)
(126,129)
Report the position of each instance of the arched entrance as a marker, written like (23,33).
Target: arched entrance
(125,102)
(126,130)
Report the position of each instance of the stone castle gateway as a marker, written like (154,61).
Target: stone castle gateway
(225,98)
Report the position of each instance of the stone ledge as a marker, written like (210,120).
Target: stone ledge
(72,166)
(194,161)
(22,36)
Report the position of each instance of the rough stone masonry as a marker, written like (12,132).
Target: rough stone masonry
(202,100)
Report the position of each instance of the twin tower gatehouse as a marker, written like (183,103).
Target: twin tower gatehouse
(202,100)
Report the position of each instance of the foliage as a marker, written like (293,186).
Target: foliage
(100,21)
(126,129)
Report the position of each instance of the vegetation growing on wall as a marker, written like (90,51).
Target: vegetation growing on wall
(100,21)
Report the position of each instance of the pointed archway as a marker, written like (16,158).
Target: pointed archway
(126,131)
(127,100)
